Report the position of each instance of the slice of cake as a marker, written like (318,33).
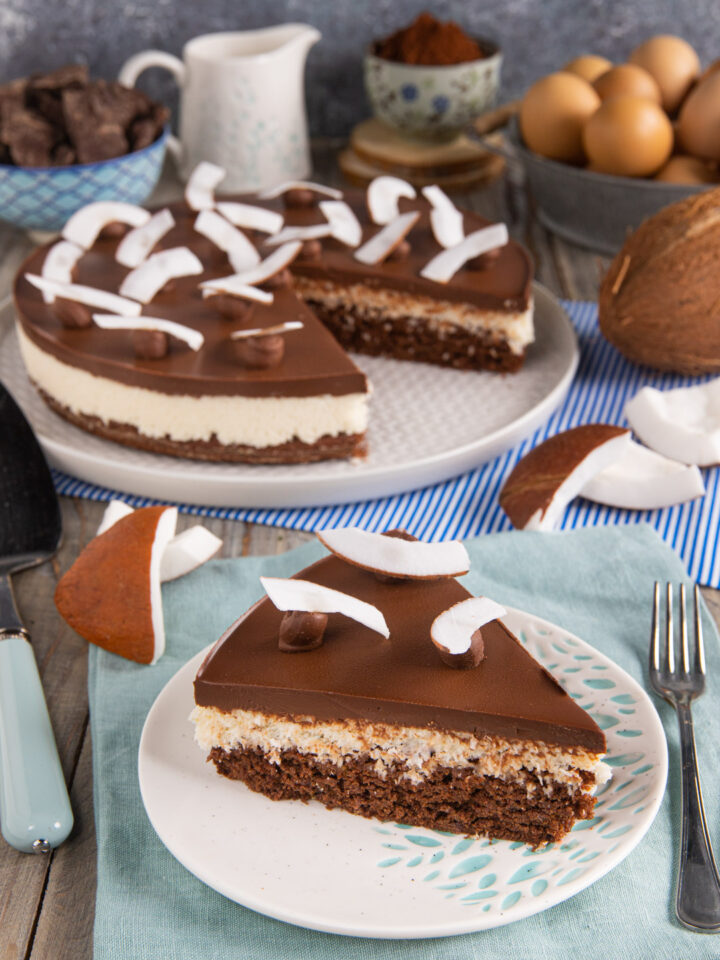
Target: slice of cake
(446,722)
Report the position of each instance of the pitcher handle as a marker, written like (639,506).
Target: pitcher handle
(132,68)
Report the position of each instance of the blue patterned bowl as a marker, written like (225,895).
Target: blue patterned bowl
(432,102)
(43,198)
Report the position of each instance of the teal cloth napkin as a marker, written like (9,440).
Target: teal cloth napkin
(596,583)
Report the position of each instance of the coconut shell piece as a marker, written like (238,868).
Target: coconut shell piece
(659,303)
(553,473)
(111,594)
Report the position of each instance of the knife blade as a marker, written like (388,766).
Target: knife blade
(35,812)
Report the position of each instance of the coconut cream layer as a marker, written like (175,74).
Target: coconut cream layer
(440,316)
(251,421)
(421,751)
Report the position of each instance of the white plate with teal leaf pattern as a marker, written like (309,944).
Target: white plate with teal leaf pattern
(332,871)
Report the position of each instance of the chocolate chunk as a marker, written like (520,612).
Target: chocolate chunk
(232,308)
(260,353)
(93,129)
(63,155)
(150,344)
(71,314)
(143,132)
(71,75)
(299,197)
(301,631)
(29,137)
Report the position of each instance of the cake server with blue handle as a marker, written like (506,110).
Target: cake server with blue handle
(35,812)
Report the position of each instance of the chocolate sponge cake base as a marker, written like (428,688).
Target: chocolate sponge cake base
(404,338)
(452,799)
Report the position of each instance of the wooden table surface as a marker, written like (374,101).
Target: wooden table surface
(47,902)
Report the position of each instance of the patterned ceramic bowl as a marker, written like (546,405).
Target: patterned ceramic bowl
(433,102)
(42,198)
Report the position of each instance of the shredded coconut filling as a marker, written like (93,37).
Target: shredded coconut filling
(419,750)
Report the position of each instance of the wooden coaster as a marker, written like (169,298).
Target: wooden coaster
(377,149)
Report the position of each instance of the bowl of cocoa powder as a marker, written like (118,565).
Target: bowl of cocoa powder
(431,78)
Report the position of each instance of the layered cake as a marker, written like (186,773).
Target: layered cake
(374,682)
(217,329)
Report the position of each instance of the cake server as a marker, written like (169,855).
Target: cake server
(35,813)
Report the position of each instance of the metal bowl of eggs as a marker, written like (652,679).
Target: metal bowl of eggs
(604,147)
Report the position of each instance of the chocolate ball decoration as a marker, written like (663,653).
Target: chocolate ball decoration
(114,230)
(485,260)
(469,658)
(150,344)
(311,250)
(299,197)
(260,353)
(400,252)
(232,308)
(283,278)
(72,315)
(300,631)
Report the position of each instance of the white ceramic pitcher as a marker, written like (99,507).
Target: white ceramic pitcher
(242,103)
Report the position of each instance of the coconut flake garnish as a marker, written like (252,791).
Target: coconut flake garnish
(84,226)
(136,245)
(277,328)
(644,480)
(308,597)
(344,225)
(313,231)
(453,628)
(445,265)
(382,197)
(145,281)
(682,423)
(380,246)
(282,188)
(267,268)
(200,188)
(241,253)
(193,338)
(445,218)
(242,290)
(90,296)
(250,217)
(59,263)
(393,556)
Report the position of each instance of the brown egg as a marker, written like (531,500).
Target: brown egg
(684,169)
(713,68)
(627,79)
(589,66)
(553,113)
(674,65)
(628,137)
(699,120)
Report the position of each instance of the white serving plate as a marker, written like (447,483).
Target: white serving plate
(332,871)
(426,424)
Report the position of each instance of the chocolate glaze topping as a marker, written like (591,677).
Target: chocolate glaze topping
(313,362)
(358,675)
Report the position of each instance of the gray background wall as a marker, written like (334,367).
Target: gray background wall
(537,36)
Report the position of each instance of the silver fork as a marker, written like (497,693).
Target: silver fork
(681,681)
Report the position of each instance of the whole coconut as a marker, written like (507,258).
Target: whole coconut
(659,303)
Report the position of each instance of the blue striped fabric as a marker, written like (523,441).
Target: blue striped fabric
(468,505)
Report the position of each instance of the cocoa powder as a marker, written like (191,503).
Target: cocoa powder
(430,42)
